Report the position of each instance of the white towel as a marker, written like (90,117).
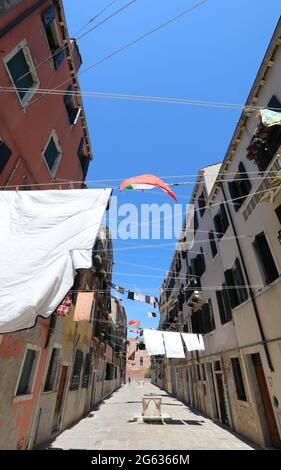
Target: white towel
(173,344)
(154,342)
(191,341)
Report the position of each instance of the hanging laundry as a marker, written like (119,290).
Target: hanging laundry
(83,307)
(191,341)
(270,118)
(134,323)
(136,332)
(64,308)
(139,298)
(118,288)
(141,333)
(131,295)
(154,342)
(152,315)
(41,236)
(173,345)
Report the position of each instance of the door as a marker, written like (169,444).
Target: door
(59,402)
(267,405)
(213,397)
(222,403)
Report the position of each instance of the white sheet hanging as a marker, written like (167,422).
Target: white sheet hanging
(154,342)
(173,344)
(44,237)
(191,341)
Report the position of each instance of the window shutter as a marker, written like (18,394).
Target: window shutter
(68,97)
(232,187)
(5,154)
(221,306)
(247,185)
(213,243)
(277,210)
(224,217)
(266,258)
(49,15)
(274,104)
(230,286)
(239,278)
(58,58)
(217,224)
(226,302)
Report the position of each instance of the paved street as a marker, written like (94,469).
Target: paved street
(111,427)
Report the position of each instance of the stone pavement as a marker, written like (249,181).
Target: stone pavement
(111,426)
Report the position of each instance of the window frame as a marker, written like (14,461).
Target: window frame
(22,46)
(33,375)
(259,261)
(58,348)
(238,382)
(54,169)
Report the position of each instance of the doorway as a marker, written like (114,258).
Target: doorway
(222,400)
(266,401)
(211,383)
(59,401)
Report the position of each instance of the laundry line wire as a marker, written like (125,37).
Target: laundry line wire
(143,98)
(66,44)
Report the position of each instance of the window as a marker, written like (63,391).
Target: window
(202,203)
(49,21)
(86,371)
(203,320)
(240,390)
(27,376)
(203,372)
(84,160)
(75,379)
(110,371)
(5,154)
(22,72)
(266,261)
(52,154)
(224,305)
(266,141)
(141,361)
(50,382)
(73,111)
(221,221)
(213,243)
(235,285)
(240,187)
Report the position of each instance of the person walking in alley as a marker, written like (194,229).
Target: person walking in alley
(129,380)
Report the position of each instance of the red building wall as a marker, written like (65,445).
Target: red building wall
(26,133)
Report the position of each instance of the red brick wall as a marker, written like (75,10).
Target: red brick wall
(134,369)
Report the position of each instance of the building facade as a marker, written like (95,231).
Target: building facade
(138,360)
(52,374)
(226,285)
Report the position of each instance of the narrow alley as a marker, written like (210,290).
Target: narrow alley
(112,426)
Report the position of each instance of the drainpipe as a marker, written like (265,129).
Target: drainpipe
(252,295)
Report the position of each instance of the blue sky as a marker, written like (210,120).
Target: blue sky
(211,54)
